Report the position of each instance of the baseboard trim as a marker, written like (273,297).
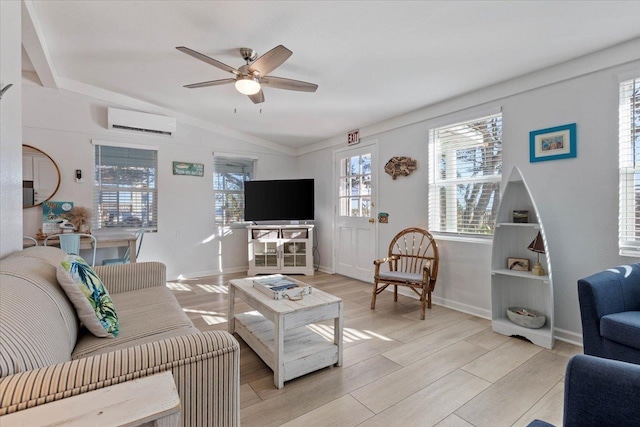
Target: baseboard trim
(465,308)
(568,336)
(325,269)
(197,274)
(458,306)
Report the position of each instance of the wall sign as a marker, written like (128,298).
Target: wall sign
(185,168)
(353,137)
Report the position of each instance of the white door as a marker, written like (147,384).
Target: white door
(355,238)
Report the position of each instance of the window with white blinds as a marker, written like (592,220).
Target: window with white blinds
(125,187)
(629,140)
(465,169)
(229,175)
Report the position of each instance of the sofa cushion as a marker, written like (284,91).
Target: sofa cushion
(91,299)
(400,275)
(144,316)
(38,324)
(623,328)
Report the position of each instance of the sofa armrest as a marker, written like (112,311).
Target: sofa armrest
(205,367)
(599,294)
(601,392)
(130,277)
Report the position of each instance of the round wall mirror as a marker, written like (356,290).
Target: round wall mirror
(40,177)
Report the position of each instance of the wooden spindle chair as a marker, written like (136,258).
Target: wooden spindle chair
(413,262)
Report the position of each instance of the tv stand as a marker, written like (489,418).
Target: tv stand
(280,249)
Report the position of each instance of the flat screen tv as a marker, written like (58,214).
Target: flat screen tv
(279,200)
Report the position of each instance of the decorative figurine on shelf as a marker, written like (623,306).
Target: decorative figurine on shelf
(520,217)
(40,235)
(537,246)
(66,226)
(79,216)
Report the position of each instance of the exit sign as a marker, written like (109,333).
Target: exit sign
(353,137)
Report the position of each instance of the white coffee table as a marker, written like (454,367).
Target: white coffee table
(277,330)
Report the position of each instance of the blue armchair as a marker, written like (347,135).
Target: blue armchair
(600,392)
(610,311)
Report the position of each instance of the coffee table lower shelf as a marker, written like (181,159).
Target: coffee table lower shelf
(304,350)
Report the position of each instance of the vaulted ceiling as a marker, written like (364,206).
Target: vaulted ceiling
(372,60)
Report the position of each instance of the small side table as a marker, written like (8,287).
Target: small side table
(301,350)
(148,401)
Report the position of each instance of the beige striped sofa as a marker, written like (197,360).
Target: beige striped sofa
(45,355)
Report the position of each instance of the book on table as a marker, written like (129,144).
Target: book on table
(278,286)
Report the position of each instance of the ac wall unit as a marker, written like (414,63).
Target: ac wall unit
(135,121)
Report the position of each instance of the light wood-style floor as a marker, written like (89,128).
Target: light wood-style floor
(448,370)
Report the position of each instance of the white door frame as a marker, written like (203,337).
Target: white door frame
(374,199)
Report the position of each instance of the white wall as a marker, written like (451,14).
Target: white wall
(577,198)
(10,129)
(63,124)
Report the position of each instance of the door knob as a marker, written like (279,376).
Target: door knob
(371,220)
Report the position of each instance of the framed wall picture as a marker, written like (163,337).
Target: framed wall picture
(184,168)
(552,143)
(519,264)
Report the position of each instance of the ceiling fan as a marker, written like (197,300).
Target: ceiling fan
(250,77)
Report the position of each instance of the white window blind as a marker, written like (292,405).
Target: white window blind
(125,187)
(229,175)
(465,169)
(629,141)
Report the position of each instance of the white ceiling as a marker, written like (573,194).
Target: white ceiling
(371,60)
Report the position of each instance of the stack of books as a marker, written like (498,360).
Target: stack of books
(278,286)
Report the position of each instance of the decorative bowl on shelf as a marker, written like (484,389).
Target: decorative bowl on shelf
(526,317)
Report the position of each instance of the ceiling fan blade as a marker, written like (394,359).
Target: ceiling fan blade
(270,60)
(288,84)
(207,59)
(210,83)
(257,98)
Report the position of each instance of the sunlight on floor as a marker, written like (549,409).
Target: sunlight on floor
(178,286)
(216,289)
(211,317)
(214,320)
(190,310)
(348,334)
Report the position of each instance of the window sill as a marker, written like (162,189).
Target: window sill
(635,253)
(464,239)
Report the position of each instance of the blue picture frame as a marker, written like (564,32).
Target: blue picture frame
(553,143)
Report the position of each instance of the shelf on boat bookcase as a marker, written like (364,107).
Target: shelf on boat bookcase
(523,274)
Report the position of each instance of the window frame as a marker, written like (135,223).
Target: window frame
(629,167)
(98,187)
(442,162)
(252,174)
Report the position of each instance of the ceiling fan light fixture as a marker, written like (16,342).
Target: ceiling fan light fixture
(247,85)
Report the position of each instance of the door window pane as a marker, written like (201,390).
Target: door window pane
(355,184)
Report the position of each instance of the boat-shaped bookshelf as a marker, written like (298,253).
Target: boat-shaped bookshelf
(517,288)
